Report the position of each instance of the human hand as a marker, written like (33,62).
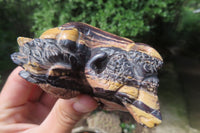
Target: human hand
(25,108)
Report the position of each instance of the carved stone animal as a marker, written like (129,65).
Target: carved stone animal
(78,58)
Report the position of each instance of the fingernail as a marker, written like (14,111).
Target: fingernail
(84,104)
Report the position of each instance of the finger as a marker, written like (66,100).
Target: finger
(48,100)
(18,128)
(35,94)
(66,113)
(17,90)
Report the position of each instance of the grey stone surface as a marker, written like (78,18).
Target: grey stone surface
(105,122)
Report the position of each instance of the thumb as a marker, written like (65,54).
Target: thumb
(66,113)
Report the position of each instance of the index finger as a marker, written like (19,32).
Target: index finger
(17,91)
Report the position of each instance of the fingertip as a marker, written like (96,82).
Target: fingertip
(84,104)
(67,112)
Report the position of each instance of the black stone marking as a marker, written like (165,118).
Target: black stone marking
(68,45)
(83,54)
(107,94)
(124,97)
(67,82)
(101,40)
(90,31)
(71,81)
(144,107)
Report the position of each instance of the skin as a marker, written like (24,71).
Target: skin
(25,108)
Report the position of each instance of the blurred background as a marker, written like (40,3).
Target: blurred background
(170,26)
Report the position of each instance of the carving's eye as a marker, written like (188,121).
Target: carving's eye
(98,62)
(68,45)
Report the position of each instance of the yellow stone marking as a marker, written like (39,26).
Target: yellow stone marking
(68,34)
(130,46)
(96,82)
(113,86)
(51,33)
(149,99)
(35,70)
(22,40)
(56,33)
(142,117)
(102,83)
(129,90)
(149,51)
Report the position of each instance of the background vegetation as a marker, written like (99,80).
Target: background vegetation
(116,16)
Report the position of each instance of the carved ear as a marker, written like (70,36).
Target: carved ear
(98,62)
(22,40)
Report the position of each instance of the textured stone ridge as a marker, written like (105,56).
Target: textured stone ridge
(105,122)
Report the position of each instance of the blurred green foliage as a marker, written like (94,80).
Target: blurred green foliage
(0,79)
(126,18)
(127,128)
(14,22)
(189,29)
